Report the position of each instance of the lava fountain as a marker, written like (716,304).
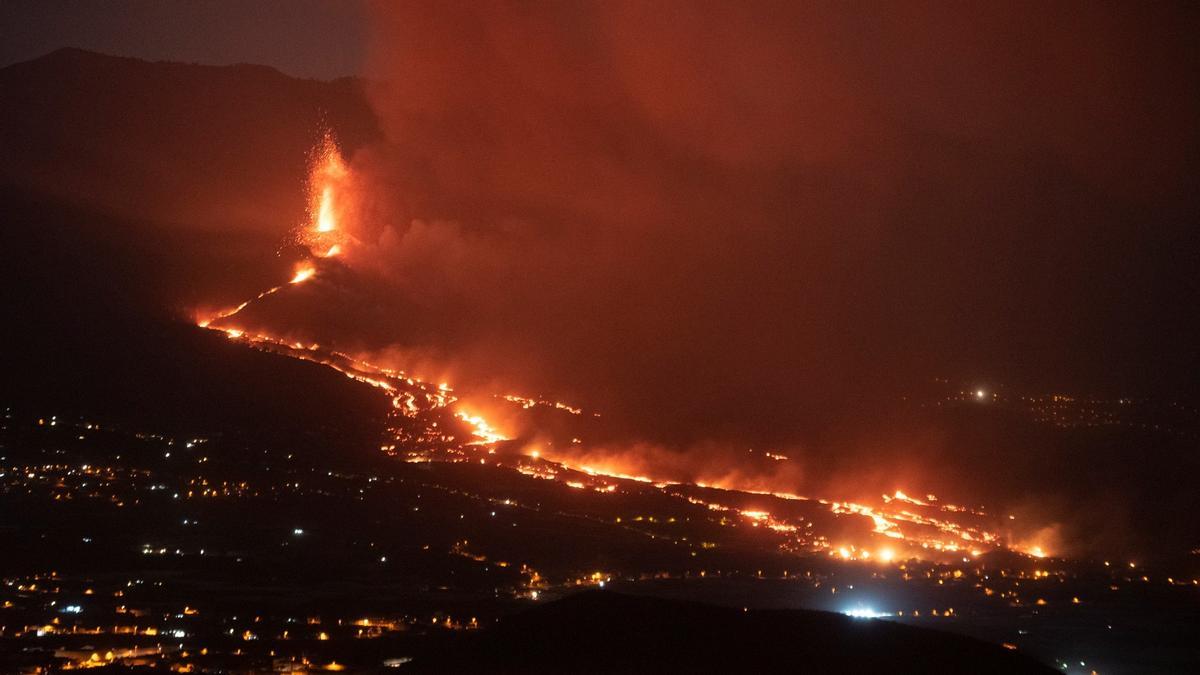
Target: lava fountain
(328,187)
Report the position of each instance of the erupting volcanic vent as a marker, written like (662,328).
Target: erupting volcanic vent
(327,185)
(547,439)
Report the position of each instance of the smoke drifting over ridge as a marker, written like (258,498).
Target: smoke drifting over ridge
(730,216)
(763,227)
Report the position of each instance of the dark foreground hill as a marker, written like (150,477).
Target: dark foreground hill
(604,632)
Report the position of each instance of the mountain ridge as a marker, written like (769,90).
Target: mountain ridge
(160,141)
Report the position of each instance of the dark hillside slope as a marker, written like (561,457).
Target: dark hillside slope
(602,632)
(84,331)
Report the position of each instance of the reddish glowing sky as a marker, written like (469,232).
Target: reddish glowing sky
(727,202)
(780,196)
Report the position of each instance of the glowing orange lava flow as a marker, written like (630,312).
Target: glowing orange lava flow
(328,176)
(204,322)
(920,528)
(303,274)
(901,525)
(480,428)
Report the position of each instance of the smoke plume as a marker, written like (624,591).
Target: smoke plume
(761,225)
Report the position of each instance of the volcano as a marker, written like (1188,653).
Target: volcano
(211,460)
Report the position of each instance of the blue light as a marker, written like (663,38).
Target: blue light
(861,612)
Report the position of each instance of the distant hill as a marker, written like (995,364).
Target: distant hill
(133,191)
(85,330)
(210,147)
(603,632)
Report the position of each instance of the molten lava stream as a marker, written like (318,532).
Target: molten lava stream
(896,519)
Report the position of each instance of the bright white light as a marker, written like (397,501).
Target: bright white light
(298,531)
(71,609)
(864,613)
(979,393)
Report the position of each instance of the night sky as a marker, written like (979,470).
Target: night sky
(707,204)
(305,38)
